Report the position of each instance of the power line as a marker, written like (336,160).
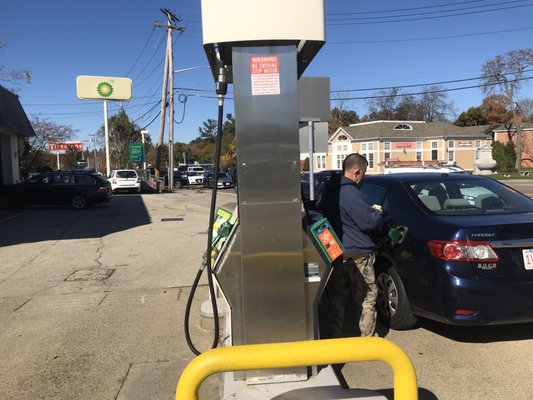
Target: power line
(426,92)
(429,38)
(408,9)
(345,17)
(419,84)
(141,53)
(426,18)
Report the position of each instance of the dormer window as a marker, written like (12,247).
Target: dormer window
(401,127)
(342,137)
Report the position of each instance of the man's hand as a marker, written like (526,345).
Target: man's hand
(378,208)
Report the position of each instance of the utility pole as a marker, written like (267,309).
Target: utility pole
(169,69)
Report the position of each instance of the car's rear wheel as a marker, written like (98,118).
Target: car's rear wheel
(392,302)
(178,184)
(79,202)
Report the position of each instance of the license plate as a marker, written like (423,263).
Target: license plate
(528,258)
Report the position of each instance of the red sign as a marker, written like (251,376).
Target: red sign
(404,145)
(64,146)
(265,75)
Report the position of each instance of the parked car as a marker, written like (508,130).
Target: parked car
(80,189)
(125,180)
(321,180)
(467,257)
(195,178)
(223,181)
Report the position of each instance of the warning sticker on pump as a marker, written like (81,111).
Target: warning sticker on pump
(264,71)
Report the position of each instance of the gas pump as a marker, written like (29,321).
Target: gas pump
(274,264)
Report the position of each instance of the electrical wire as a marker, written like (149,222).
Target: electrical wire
(141,53)
(426,18)
(429,38)
(408,9)
(426,92)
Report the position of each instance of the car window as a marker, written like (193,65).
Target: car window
(470,197)
(61,179)
(375,194)
(39,179)
(84,180)
(126,174)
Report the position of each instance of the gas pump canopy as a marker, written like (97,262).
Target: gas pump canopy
(230,23)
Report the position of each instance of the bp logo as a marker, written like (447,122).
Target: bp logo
(104,89)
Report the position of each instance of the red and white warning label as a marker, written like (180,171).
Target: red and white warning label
(265,75)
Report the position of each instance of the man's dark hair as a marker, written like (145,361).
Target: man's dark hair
(354,160)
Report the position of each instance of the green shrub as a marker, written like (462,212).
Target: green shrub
(504,155)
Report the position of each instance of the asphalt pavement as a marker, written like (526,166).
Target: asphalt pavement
(92,305)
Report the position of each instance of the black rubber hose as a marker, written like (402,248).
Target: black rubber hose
(209,243)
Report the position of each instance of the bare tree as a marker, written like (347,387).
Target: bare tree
(383,105)
(504,75)
(526,106)
(34,149)
(13,77)
(435,104)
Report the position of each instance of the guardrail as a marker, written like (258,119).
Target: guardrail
(299,354)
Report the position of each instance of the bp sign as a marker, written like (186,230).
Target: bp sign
(103,88)
(136,153)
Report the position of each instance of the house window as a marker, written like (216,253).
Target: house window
(363,147)
(434,151)
(403,127)
(386,145)
(478,143)
(451,144)
(339,147)
(370,146)
(418,156)
(419,145)
(370,159)
(451,156)
(340,159)
(345,147)
(342,137)
(387,155)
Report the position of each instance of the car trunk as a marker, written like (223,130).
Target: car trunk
(511,237)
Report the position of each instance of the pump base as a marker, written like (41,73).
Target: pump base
(324,385)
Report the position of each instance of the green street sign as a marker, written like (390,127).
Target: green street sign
(136,153)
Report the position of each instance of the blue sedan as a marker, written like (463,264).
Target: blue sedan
(467,257)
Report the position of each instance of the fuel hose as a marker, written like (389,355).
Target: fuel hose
(221,89)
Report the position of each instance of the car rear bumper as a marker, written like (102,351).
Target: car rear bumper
(484,302)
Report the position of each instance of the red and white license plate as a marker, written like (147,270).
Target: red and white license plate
(528,258)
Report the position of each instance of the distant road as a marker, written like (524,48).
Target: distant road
(523,185)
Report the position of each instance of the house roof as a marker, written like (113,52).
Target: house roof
(405,130)
(13,119)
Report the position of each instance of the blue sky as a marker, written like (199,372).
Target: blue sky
(368,45)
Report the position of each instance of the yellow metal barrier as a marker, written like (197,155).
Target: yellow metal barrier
(297,354)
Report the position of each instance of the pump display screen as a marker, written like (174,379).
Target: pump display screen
(327,239)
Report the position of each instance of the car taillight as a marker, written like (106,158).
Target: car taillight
(114,181)
(102,189)
(462,251)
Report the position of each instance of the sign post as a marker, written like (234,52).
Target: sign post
(104,88)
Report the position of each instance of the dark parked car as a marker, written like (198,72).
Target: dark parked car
(80,189)
(467,258)
(321,180)
(224,180)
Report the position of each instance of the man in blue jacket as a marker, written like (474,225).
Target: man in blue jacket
(353,220)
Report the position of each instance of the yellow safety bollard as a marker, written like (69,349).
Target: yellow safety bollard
(298,354)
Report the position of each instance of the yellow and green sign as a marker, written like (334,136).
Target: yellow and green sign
(103,88)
